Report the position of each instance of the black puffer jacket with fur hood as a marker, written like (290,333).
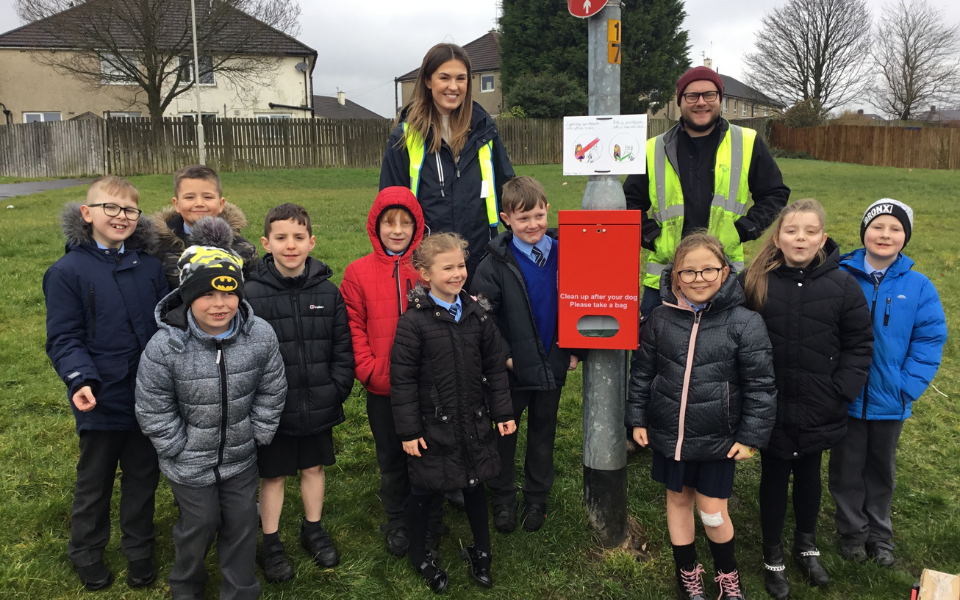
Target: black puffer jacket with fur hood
(701,381)
(448,384)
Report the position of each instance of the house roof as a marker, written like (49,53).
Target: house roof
(938,115)
(57,30)
(484,53)
(327,107)
(738,89)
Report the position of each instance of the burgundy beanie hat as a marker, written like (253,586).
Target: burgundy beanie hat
(699,74)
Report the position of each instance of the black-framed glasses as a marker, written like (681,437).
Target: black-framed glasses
(112,210)
(693,97)
(709,274)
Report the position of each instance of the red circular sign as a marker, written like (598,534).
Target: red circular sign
(585,8)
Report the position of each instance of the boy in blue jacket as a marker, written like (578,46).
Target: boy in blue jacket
(100,298)
(909,329)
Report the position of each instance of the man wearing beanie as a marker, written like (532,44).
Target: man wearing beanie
(909,331)
(210,389)
(700,175)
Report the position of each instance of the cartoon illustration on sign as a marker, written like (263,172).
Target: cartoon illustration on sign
(625,148)
(608,145)
(587,148)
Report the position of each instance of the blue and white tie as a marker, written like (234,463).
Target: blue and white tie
(538,257)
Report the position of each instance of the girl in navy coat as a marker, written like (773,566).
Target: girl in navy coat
(909,329)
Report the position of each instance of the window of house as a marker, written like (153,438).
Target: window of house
(726,105)
(734,106)
(206,70)
(273,117)
(192,115)
(40,117)
(744,111)
(116,114)
(486,83)
(111,72)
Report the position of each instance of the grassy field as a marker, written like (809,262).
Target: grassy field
(38,445)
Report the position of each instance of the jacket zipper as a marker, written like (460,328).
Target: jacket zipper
(440,171)
(886,314)
(686,383)
(93,312)
(222,362)
(396,275)
(304,412)
(873,312)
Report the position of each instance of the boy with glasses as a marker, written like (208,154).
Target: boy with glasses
(100,298)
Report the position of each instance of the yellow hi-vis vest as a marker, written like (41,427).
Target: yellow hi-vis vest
(415,149)
(730,195)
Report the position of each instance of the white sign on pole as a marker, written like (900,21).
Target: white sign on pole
(605,145)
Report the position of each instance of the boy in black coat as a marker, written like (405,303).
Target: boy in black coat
(100,298)
(519,278)
(293,292)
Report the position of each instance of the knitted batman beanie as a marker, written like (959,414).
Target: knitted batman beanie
(894,208)
(209,264)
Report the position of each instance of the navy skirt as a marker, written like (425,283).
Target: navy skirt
(712,478)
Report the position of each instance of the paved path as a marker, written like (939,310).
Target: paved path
(9,190)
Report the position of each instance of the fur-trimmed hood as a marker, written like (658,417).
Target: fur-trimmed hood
(79,233)
(168,219)
(419,297)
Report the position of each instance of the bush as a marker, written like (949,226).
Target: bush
(781,153)
(805,113)
(548,96)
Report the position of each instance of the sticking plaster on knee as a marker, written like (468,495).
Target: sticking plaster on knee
(714,520)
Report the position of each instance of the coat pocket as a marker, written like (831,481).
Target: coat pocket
(484,425)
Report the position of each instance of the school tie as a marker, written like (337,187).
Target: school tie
(877,276)
(538,257)
(453,311)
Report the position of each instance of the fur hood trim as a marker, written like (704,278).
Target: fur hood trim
(231,214)
(78,232)
(421,295)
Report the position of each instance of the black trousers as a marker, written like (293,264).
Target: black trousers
(538,473)
(774,483)
(228,512)
(391,459)
(100,453)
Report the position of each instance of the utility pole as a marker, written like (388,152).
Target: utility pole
(201,150)
(605,371)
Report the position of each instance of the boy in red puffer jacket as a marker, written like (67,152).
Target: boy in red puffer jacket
(375,290)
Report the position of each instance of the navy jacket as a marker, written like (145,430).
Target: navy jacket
(909,331)
(449,191)
(100,307)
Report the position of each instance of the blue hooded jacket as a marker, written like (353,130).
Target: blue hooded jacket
(909,328)
(100,306)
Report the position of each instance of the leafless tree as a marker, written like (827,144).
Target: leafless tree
(812,49)
(918,57)
(142,50)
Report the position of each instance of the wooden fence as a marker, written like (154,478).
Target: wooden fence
(927,148)
(144,146)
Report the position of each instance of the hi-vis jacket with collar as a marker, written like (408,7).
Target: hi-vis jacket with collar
(451,191)
(701,381)
(712,185)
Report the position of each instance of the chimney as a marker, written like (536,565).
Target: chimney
(708,63)
(860,111)
(933,109)
(342,98)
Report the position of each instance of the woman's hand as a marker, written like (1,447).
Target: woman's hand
(413,446)
(509,364)
(741,452)
(640,436)
(507,427)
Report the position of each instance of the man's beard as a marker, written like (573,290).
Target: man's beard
(701,128)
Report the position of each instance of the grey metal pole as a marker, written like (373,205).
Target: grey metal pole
(201,150)
(605,371)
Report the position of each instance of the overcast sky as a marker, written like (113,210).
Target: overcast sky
(362,46)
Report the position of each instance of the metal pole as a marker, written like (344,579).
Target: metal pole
(201,151)
(605,371)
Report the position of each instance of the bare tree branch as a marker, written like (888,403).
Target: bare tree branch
(918,57)
(812,49)
(136,49)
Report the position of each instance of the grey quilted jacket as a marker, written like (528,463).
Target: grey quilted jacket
(207,403)
(701,381)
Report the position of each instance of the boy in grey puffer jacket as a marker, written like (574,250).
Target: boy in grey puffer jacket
(210,388)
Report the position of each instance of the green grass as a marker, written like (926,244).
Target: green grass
(38,445)
(6,179)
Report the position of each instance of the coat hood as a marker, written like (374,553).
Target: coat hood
(79,233)
(853,262)
(266,273)
(420,298)
(167,221)
(171,315)
(394,196)
(730,294)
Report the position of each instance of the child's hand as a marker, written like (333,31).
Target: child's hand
(573,363)
(507,428)
(640,436)
(510,364)
(741,452)
(413,446)
(84,400)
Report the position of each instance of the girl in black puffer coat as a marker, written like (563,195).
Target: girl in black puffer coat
(702,395)
(822,337)
(448,384)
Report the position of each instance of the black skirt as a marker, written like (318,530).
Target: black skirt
(287,454)
(712,478)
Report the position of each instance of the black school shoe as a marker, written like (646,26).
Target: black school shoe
(436,577)
(882,555)
(505,516)
(690,582)
(96,576)
(478,565)
(398,542)
(315,540)
(141,573)
(534,514)
(730,586)
(272,558)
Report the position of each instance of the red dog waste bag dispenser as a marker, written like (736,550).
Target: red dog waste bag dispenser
(599,279)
